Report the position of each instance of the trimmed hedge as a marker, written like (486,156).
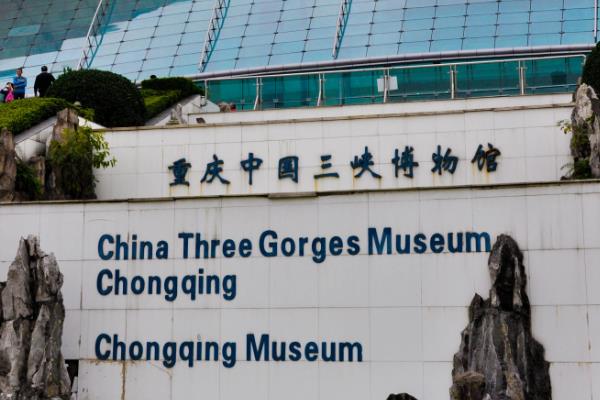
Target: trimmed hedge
(157,101)
(161,93)
(591,69)
(185,86)
(116,100)
(21,115)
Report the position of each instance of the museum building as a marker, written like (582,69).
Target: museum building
(325,237)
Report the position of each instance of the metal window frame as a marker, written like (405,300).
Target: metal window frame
(381,62)
(85,60)
(340,27)
(215,24)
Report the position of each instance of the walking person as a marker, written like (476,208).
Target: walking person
(43,82)
(19,85)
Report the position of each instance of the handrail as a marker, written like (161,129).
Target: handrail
(93,24)
(479,62)
(212,33)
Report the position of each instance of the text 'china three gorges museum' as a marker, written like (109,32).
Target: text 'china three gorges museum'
(364,200)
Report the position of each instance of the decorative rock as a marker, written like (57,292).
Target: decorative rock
(8,165)
(586,118)
(31,364)
(176,115)
(65,119)
(401,396)
(497,345)
(469,386)
(38,163)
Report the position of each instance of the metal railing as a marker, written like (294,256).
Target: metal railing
(91,38)
(489,78)
(214,28)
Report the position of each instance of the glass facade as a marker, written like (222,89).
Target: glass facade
(139,38)
(409,83)
(389,27)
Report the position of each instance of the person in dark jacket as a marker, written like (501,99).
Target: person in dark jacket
(19,84)
(43,82)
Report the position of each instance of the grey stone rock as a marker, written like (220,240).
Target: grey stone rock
(38,163)
(497,345)
(176,115)
(8,165)
(65,119)
(401,396)
(469,386)
(586,118)
(31,364)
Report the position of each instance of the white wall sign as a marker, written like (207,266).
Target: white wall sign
(346,296)
(446,148)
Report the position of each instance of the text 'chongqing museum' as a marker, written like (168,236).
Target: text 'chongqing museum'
(299,199)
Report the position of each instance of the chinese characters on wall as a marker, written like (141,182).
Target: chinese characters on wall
(403,161)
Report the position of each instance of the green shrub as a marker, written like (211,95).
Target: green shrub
(27,182)
(115,100)
(74,158)
(161,93)
(591,69)
(185,86)
(582,169)
(21,115)
(156,101)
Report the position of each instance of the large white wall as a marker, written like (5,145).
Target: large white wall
(407,310)
(525,129)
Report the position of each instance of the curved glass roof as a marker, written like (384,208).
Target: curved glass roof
(138,38)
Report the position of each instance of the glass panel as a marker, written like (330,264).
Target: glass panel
(450,22)
(352,88)
(290,91)
(577,38)
(585,25)
(546,16)
(312,56)
(421,84)
(544,39)
(511,41)
(416,36)
(448,33)
(282,59)
(386,38)
(241,92)
(480,31)
(445,45)
(545,27)
(552,75)
(493,79)
(415,47)
(251,62)
(382,50)
(512,29)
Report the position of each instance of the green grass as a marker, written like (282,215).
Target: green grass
(21,115)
